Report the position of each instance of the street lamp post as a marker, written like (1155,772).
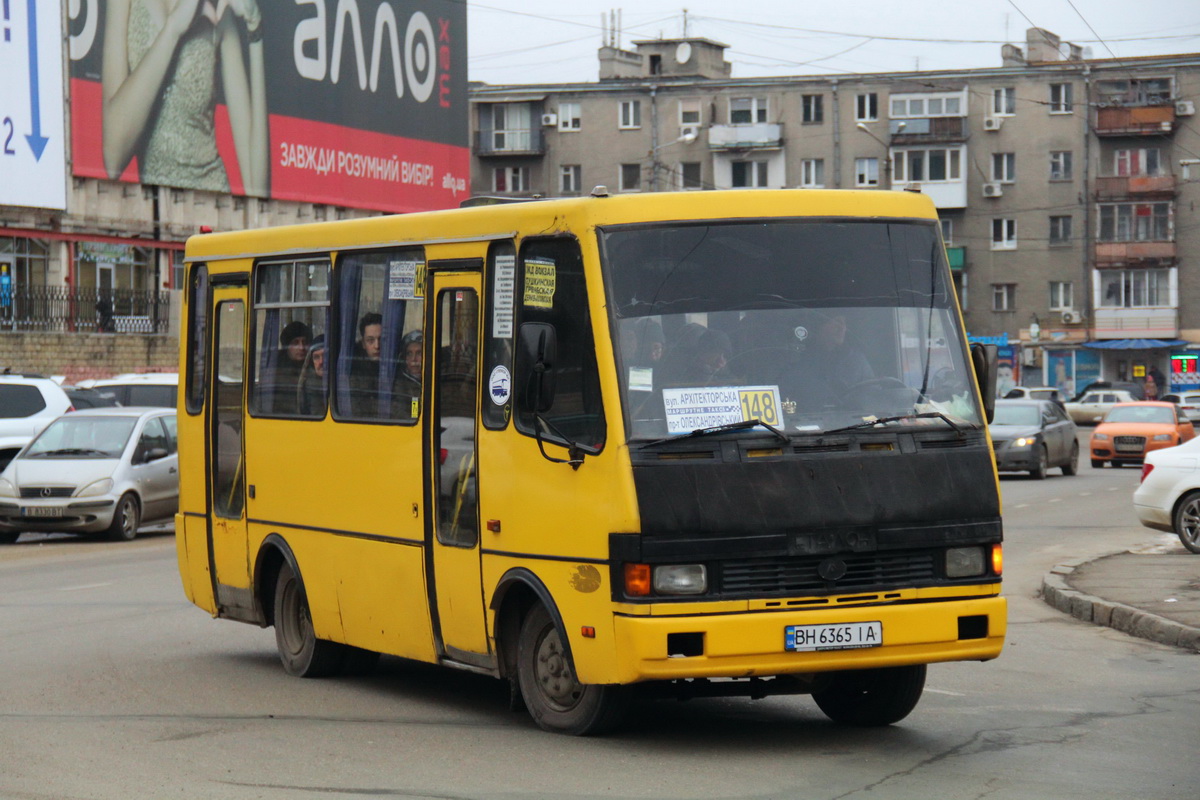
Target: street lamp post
(887,159)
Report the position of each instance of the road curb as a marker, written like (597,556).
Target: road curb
(1058,592)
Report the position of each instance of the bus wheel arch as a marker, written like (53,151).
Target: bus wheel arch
(517,592)
(281,593)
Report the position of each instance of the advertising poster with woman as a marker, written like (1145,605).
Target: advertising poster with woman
(360,103)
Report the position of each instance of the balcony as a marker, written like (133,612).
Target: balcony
(1136,323)
(757,136)
(957,256)
(926,131)
(1136,121)
(1136,186)
(513,142)
(1140,254)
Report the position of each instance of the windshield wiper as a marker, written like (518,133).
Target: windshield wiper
(71,451)
(868,423)
(732,426)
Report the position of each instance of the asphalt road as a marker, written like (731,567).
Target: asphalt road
(113,686)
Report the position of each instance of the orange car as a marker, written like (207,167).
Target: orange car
(1131,430)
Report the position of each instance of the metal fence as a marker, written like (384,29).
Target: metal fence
(61,309)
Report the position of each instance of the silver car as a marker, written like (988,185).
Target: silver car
(102,470)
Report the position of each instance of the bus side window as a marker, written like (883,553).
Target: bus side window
(197,346)
(551,288)
(291,313)
(498,336)
(380,315)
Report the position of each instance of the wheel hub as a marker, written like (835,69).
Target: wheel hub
(554,675)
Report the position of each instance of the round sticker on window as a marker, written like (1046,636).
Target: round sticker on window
(801,332)
(499,384)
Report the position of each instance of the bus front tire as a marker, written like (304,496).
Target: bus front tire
(555,698)
(872,697)
(302,653)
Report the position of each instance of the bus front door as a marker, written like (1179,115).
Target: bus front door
(453,526)
(227,542)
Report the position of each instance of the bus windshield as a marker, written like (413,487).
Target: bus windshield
(808,326)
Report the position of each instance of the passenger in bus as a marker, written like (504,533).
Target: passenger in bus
(406,388)
(704,364)
(311,391)
(827,369)
(650,345)
(289,360)
(364,369)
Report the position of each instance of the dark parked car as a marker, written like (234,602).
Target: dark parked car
(1034,436)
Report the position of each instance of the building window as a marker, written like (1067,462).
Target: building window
(920,166)
(747,110)
(947,231)
(749,174)
(631,178)
(1142,161)
(1060,230)
(569,178)
(1060,165)
(569,117)
(1004,296)
(927,105)
(812,108)
(866,172)
(866,107)
(1061,98)
(1004,101)
(1135,288)
(1061,296)
(1135,222)
(511,129)
(689,112)
(510,179)
(631,114)
(812,173)
(1004,167)
(1004,234)
(689,174)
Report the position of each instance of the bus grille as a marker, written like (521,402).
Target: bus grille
(799,575)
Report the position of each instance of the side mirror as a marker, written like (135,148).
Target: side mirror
(984,358)
(155,453)
(537,352)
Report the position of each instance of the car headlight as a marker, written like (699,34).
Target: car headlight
(964,562)
(1100,437)
(1024,441)
(680,579)
(7,489)
(1163,437)
(102,486)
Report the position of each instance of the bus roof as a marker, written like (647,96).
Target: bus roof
(502,221)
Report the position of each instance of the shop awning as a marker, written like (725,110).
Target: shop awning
(1134,344)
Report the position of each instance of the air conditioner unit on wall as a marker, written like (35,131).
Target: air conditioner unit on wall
(550,119)
(992,190)
(992,123)
(688,133)
(1184,108)
(1071,317)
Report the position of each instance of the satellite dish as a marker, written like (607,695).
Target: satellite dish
(683,53)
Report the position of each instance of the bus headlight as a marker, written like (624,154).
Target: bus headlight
(964,562)
(680,579)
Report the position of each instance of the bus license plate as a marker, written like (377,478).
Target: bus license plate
(846,636)
(41,511)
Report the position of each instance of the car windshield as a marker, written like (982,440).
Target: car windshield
(809,326)
(1025,416)
(75,436)
(1149,414)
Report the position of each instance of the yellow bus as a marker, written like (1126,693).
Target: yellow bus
(706,443)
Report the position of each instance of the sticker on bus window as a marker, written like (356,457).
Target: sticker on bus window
(540,278)
(499,385)
(503,291)
(402,279)
(708,407)
(641,379)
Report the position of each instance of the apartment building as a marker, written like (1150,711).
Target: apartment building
(1066,185)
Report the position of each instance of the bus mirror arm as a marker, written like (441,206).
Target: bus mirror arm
(984,358)
(574,452)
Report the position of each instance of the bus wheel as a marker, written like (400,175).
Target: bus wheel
(125,520)
(556,700)
(301,652)
(872,697)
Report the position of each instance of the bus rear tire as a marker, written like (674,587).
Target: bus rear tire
(872,697)
(302,653)
(555,698)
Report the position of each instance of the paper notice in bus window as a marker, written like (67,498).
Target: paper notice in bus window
(402,280)
(641,379)
(503,289)
(710,406)
(540,277)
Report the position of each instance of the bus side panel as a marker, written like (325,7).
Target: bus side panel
(191,546)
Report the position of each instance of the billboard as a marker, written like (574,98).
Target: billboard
(32,134)
(360,103)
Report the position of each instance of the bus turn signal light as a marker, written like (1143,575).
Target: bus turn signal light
(637,580)
(998,559)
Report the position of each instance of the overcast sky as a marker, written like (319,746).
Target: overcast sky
(555,41)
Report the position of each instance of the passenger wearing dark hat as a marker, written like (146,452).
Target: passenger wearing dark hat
(289,360)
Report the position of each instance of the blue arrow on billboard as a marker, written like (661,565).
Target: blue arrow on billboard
(37,142)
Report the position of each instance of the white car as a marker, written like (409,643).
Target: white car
(1188,402)
(28,403)
(101,470)
(1091,408)
(157,389)
(1168,498)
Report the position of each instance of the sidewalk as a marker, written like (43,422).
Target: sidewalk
(1153,595)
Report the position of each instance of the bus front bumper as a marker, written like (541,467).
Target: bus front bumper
(753,644)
